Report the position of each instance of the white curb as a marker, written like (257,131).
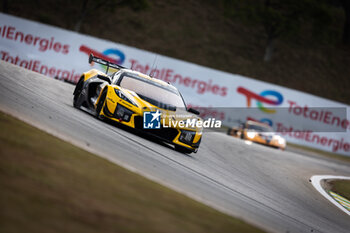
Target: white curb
(316,182)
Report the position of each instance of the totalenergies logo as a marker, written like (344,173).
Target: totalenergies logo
(262,98)
(111,55)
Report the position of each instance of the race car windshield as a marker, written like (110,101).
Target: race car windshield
(260,128)
(154,93)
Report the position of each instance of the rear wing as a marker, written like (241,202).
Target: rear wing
(104,62)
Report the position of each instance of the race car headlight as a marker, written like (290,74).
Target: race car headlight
(123,97)
(187,136)
(281,140)
(251,135)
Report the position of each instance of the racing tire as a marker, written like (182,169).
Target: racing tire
(242,135)
(77,91)
(183,149)
(100,104)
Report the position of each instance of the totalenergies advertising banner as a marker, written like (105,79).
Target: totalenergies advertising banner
(300,117)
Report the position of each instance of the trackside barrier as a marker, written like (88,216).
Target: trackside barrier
(300,117)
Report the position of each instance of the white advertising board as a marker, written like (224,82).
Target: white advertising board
(300,117)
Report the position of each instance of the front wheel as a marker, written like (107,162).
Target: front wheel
(242,135)
(100,104)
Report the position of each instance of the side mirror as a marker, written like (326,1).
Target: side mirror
(91,57)
(194,111)
(104,78)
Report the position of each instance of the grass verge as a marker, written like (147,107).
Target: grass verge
(48,185)
(341,187)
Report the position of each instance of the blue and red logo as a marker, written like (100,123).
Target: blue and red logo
(262,98)
(111,55)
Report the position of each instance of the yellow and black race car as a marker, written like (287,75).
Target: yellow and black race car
(259,133)
(139,101)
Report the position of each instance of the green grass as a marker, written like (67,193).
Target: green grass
(48,185)
(341,187)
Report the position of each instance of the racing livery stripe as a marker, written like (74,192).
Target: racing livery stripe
(341,200)
(338,197)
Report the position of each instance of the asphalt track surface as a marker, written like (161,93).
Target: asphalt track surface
(263,186)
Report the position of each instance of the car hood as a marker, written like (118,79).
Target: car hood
(180,114)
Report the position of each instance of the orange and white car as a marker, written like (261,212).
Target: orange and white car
(259,133)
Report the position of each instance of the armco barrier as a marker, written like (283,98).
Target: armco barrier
(63,54)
